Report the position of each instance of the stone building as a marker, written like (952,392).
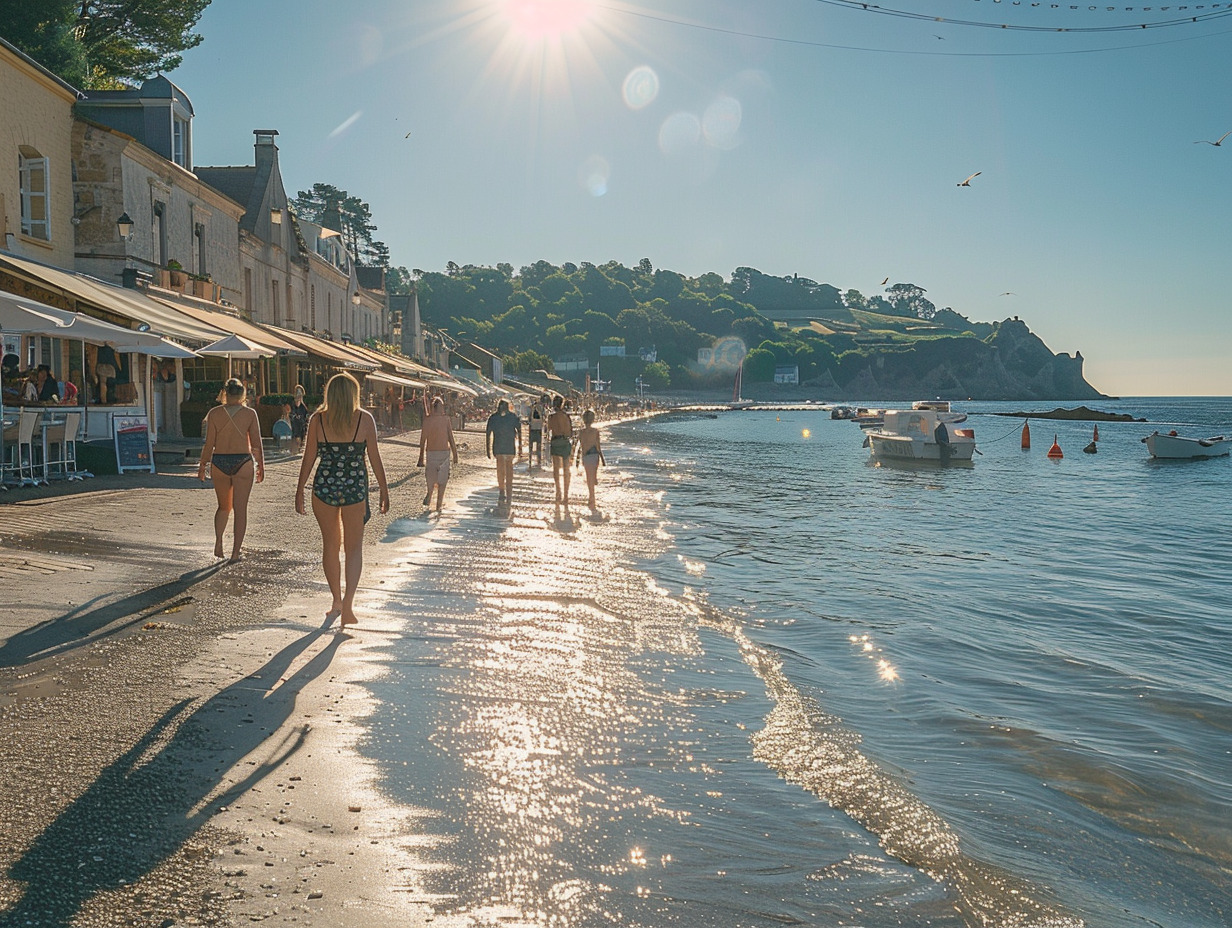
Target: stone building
(36,161)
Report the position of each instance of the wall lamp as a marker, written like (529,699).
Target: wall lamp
(276,215)
(355,298)
(124,225)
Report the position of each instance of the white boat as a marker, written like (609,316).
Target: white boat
(922,435)
(1173,445)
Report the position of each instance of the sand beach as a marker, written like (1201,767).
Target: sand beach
(177,732)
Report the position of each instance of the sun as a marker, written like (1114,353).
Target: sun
(539,20)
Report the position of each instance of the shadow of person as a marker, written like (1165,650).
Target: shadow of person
(155,796)
(77,626)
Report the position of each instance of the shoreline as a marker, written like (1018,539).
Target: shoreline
(123,638)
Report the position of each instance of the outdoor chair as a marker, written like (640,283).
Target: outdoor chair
(63,437)
(26,447)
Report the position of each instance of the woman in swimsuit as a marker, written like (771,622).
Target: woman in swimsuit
(561,447)
(590,455)
(340,433)
(232,440)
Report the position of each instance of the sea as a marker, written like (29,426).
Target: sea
(773,682)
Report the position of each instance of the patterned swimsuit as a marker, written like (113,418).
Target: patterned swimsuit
(342,474)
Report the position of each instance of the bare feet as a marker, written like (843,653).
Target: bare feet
(236,558)
(218,549)
(334,611)
(348,618)
(428,499)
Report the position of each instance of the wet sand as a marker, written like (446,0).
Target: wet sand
(178,733)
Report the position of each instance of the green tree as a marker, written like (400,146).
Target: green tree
(336,209)
(759,365)
(100,44)
(657,376)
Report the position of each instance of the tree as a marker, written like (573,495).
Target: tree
(759,365)
(336,209)
(909,300)
(99,44)
(657,376)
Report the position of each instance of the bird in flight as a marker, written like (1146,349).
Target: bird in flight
(1008,293)
(967,182)
(886,281)
(407,136)
(1216,144)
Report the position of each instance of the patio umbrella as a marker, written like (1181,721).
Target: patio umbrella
(236,346)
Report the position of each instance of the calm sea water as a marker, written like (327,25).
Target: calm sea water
(772,684)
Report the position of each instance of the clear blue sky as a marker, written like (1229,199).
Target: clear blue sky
(793,136)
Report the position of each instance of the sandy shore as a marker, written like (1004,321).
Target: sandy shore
(178,735)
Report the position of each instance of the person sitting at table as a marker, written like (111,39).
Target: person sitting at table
(48,386)
(68,393)
(30,389)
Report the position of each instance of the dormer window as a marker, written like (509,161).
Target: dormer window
(179,141)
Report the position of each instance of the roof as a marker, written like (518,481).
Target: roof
(43,72)
(238,183)
(370,278)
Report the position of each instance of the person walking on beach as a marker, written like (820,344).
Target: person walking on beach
(589,453)
(339,433)
(299,419)
(504,437)
(235,457)
(534,433)
(561,446)
(436,444)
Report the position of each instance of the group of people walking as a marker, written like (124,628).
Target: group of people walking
(340,440)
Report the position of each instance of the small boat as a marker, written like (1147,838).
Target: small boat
(869,418)
(842,412)
(1174,446)
(922,435)
(934,405)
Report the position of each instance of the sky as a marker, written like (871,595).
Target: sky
(807,137)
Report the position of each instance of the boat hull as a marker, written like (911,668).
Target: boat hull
(1175,447)
(903,448)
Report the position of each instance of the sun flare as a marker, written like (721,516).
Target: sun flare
(538,20)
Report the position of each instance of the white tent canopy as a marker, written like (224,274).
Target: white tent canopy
(236,346)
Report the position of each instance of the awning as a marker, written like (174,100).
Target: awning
(233,325)
(329,352)
(453,386)
(29,317)
(396,380)
(120,301)
(399,363)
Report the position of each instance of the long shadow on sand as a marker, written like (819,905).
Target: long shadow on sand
(152,799)
(77,626)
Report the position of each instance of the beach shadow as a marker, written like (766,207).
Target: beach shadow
(79,626)
(149,801)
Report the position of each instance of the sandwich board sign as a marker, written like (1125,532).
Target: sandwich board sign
(132,443)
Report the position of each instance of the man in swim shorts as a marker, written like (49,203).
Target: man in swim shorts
(505,439)
(436,445)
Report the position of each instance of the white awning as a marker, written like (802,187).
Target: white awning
(396,380)
(453,386)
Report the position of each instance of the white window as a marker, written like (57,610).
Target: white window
(179,141)
(35,214)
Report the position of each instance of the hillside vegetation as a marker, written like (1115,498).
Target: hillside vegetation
(843,343)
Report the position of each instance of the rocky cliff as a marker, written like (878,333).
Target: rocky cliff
(1011,363)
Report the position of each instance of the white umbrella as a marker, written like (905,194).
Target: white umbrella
(236,346)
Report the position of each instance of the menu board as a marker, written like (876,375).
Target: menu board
(132,443)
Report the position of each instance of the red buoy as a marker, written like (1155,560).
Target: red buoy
(1026,435)
(1055,450)
(1096,438)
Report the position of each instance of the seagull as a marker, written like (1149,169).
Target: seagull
(967,182)
(886,281)
(1216,144)
(1007,293)
(407,136)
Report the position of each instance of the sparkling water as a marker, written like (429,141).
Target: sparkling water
(771,682)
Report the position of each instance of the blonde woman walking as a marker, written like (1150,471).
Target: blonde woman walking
(234,454)
(340,433)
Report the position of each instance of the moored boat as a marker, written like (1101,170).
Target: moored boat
(922,435)
(1178,447)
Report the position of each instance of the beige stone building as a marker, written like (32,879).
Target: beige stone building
(36,161)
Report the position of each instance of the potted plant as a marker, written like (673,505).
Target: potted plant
(179,279)
(202,286)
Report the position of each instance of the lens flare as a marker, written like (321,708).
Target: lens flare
(641,87)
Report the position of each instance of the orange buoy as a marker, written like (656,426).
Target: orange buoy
(1055,450)
(1026,435)
(1096,438)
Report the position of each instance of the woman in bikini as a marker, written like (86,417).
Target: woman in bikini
(232,441)
(561,447)
(340,433)
(589,453)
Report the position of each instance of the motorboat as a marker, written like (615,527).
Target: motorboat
(922,435)
(1172,445)
(842,412)
(869,418)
